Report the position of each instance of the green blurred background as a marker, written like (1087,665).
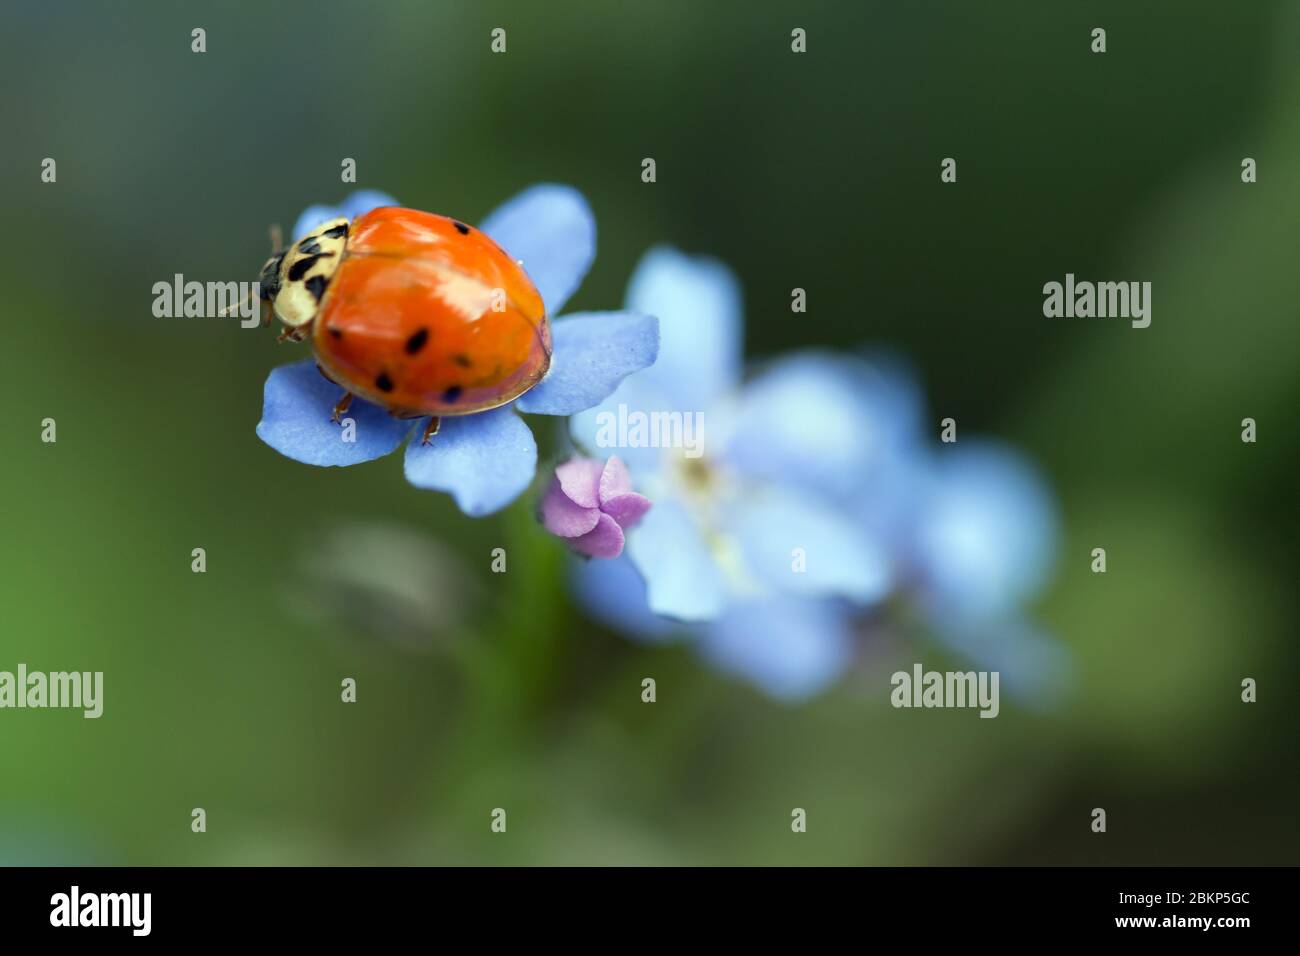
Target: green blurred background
(820,171)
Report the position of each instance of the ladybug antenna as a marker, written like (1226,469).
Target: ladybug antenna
(236,306)
(277,238)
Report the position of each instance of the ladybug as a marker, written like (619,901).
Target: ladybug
(415,312)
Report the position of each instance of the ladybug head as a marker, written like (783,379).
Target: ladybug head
(294,281)
(269,283)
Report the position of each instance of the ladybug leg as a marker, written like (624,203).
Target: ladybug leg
(430,429)
(341,408)
(292,333)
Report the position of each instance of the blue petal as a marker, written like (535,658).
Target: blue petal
(358,204)
(552,230)
(591,429)
(683,580)
(593,352)
(987,530)
(697,301)
(888,502)
(296,406)
(791,648)
(798,545)
(825,422)
(484,461)
(312,217)
(613,592)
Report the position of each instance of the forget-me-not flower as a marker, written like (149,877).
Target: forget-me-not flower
(819,493)
(745,544)
(981,546)
(484,460)
(970,527)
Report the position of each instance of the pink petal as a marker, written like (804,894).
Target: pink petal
(580,479)
(604,541)
(614,480)
(561,516)
(626,509)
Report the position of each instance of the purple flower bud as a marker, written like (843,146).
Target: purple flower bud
(590,505)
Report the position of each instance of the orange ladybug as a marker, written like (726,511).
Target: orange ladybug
(415,312)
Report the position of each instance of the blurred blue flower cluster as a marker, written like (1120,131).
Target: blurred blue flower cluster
(485,460)
(815,492)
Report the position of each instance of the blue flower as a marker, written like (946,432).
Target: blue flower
(970,529)
(819,461)
(744,544)
(985,537)
(731,516)
(983,545)
(485,460)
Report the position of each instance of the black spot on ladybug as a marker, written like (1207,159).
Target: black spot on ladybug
(336,232)
(460,227)
(336,332)
(451,394)
(316,286)
(310,247)
(417,341)
(383,382)
(463,360)
(303,266)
